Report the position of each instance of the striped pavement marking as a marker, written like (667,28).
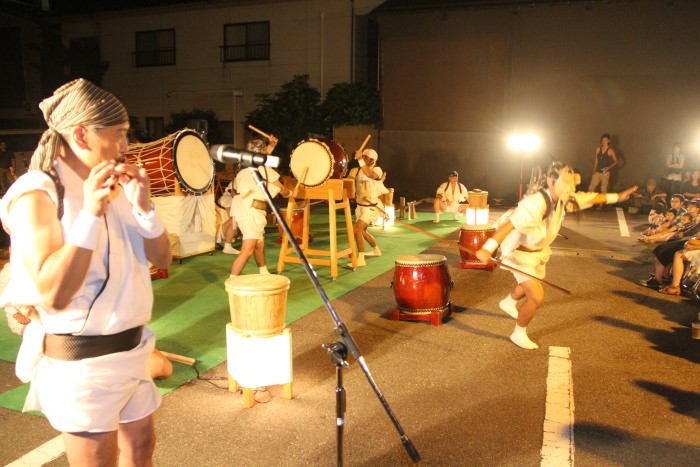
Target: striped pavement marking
(624,231)
(47,452)
(558,440)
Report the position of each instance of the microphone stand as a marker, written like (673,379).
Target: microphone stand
(338,353)
(341,330)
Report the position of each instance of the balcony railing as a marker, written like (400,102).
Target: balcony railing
(163,57)
(246,52)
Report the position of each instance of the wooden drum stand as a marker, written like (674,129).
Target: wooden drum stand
(338,193)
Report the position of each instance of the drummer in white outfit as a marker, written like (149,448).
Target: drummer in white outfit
(81,261)
(249,208)
(450,197)
(369,184)
(525,237)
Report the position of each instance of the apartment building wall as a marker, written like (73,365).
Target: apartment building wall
(307,37)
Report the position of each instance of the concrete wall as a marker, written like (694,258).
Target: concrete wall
(455,83)
(307,37)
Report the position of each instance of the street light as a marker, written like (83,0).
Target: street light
(523,144)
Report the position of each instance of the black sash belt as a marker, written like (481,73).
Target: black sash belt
(71,347)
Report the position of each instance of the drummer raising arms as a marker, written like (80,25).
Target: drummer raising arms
(367,199)
(450,196)
(249,208)
(525,237)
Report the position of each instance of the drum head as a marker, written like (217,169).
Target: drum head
(194,168)
(420,260)
(312,163)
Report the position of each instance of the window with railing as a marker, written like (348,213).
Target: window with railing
(246,42)
(154,48)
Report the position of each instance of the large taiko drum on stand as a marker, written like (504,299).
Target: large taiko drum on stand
(472,237)
(315,161)
(422,287)
(258,304)
(178,163)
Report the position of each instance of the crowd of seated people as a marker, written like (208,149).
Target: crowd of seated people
(677,222)
(676,233)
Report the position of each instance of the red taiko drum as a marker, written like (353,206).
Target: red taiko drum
(422,283)
(472,237)
(297,224)
(181,158)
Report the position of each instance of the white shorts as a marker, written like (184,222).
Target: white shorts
(453,208)
(693,257)
(367,214)
(79,398)
(533,263)
(252,225)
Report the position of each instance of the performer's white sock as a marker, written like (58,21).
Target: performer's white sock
(437,218)
(519,338)
(456,216)
(377,251)
(361,259)
(231,276)
(509,305)
(263,270)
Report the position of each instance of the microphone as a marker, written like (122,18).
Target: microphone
(225,153)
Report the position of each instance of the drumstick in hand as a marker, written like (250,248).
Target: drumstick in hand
(365,143)
(259,131)
(495,261)
(301,180)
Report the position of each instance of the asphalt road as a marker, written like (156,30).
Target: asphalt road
(461,392)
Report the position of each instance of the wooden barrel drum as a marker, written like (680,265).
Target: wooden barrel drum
(258,304)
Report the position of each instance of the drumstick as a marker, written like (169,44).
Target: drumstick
(499,263)
(365,142)
(259,131)
(178,358)
(301,180)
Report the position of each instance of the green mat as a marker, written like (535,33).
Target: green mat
(191,308)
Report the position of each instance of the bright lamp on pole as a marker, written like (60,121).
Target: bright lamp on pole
(523,143)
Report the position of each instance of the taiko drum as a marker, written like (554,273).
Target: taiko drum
(297,224)
(315,161)
(472,237)
(178,160)
(258,304)
(422,283)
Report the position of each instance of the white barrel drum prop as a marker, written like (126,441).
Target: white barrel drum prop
(258,304)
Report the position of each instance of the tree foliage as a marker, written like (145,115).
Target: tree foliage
(293,114)
(182,120)
(351,104)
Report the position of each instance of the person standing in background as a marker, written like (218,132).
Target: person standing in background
(673,175)
(605,160)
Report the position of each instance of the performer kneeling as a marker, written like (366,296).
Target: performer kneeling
(450,197)
(526,235)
